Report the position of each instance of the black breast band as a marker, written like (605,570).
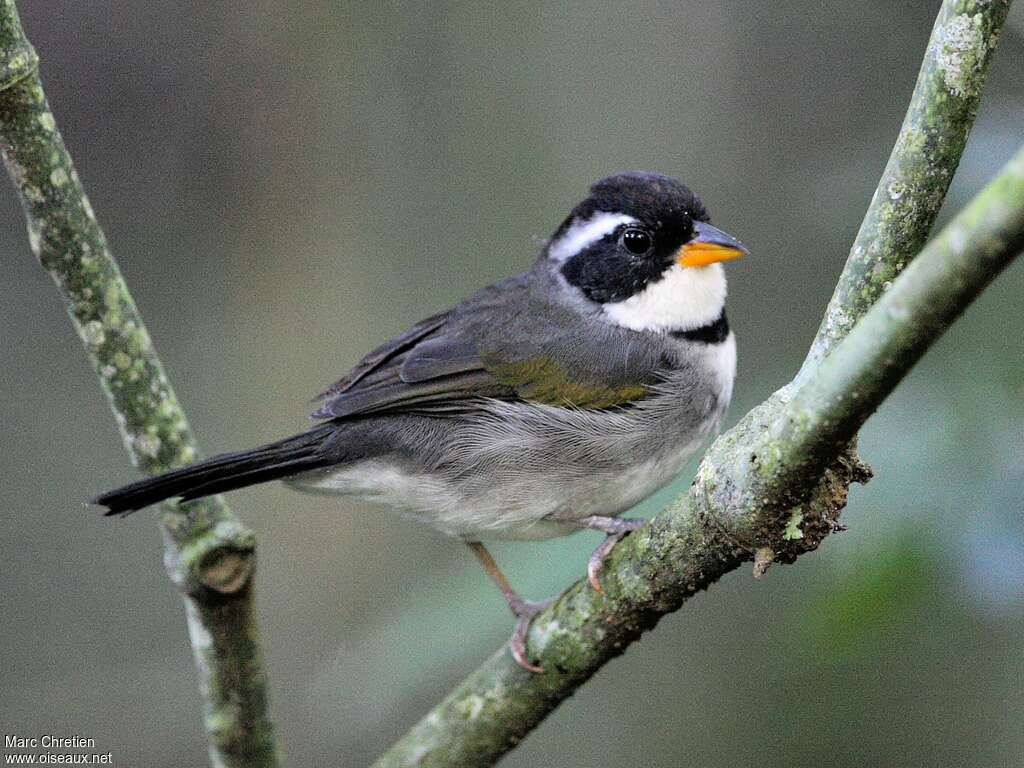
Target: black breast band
(712,333)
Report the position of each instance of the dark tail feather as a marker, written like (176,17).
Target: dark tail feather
(224,472)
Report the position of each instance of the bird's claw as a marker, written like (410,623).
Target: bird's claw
(525,611)
(596,562)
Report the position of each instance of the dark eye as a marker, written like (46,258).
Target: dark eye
(636,241)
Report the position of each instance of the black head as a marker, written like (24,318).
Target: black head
(653,198)
(628,232)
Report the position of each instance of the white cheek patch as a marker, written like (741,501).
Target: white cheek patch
(683,299)
(583,234)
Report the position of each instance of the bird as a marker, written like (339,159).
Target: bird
(547,403)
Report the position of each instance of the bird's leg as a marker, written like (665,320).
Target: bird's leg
(615,529)
(524,610)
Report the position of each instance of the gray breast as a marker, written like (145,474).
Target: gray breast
(514,469)
(521,463)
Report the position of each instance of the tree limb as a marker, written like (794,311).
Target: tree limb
(772,487)
(210,555)
(768,484)
(921,166)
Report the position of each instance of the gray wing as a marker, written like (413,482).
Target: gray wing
(435,365)
(382,355)
(501,343)
(450,378)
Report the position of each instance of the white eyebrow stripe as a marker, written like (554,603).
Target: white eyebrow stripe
(585,233)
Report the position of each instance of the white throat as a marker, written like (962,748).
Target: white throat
(683,299)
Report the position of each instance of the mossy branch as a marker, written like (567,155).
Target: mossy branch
(209,553)
(924,159)
(773,487)
(770,489)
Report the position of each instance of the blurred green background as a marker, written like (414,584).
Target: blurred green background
(286,185)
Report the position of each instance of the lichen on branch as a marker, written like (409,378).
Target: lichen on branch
(772,487)
(209,553)
(921,166)
(785,458)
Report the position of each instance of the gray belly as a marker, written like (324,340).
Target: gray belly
(517,470)
(494,498)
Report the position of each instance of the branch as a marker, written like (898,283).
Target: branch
(766,485)
(924,159)
(772,487)
(210,555)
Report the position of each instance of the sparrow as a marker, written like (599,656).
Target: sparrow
(550,402)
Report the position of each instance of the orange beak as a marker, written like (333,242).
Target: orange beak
(709,245)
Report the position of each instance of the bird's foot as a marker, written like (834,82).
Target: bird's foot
(524,611)
(616,529)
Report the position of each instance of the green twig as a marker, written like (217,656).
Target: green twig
(773,487)
(770,485)
(210,554)
(922,163)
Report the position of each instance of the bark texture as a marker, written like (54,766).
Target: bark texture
(209,554)
(922,163)
(768,490)
(773,487)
